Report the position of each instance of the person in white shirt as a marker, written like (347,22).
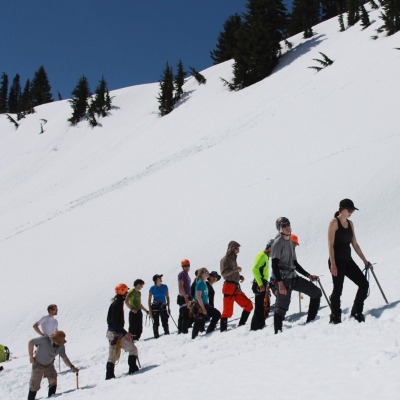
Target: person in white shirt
(48,324)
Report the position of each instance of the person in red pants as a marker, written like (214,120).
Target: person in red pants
(231,287)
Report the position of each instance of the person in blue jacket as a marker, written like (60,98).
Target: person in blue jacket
(159,305)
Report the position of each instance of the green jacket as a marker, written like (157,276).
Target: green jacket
(261,268)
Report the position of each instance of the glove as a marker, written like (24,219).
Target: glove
(74,369)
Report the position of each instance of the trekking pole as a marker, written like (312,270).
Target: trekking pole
(59,363)
(77,379)
(377,282)
(323,291)
(173,320)
(138,362)
(300,301)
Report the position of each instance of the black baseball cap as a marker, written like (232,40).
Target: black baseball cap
(348,204)
(155,277)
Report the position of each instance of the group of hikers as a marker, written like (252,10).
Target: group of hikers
(196,300)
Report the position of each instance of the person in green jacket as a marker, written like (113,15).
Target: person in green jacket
(260,288)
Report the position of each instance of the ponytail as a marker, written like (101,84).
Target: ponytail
(336,214)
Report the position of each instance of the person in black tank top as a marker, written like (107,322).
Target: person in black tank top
(340,236)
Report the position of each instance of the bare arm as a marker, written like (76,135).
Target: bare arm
(200,300)
(150,297)
(182,291)
(167,296)
(69,364)
(36,328)
(357,247)
(333,227)
(127,303)
(30,352)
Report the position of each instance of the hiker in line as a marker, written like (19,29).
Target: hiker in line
(231,287)
(47,348)
(340,235)
(211,280)
(184,297)
(117,336)
(159,305)
(285,268)
(47,324)
(206,310)
(134,302)
(193,285)
(261,288)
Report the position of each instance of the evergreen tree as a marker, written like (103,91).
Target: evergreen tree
(227,40)
(365,22)
(341,23)
(80,100)
(201,80)
(374,6)
(259,39)
(166,95)
(179,81)
(3,93)
(101,102)
(330,8)
(391,16)
(26,103)
(353,13)
(41,90)
(14,97)
(305,14)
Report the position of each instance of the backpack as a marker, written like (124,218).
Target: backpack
(4,353)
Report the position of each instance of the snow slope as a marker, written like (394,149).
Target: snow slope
(83,209)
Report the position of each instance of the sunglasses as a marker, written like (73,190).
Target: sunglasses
(184,266)
(285,225)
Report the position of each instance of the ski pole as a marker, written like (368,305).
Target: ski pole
(77,379)
(173,320)
(377,282)
(323,291)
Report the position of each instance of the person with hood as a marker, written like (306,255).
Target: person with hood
(261,288)
(42,360)
(117,336)
(231,287)
(285,268)
(341,264)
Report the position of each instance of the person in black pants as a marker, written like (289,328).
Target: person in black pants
(133,301)
(340,236)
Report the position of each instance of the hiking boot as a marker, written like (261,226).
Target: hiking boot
(110,371)
(335,319)
(132,365)
(52,390)
(32,395)
(278,320)
(313,309)
(224,324)
(244,317)
(359,316)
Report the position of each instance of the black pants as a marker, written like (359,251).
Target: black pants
(159,310)
(136,324)
(301,285)
(184,317)
(199,323)
(259,315)
(350,269)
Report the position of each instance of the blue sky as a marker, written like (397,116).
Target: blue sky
(129,41)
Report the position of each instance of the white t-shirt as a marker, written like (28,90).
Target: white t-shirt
(48,325)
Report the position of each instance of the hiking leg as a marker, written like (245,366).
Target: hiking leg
(278,321)
(244,317)
(132,364)
(110,371)
(224,324)
(32,395)
(52,390)
(258,320)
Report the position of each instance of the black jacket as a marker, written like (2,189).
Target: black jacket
(115,316)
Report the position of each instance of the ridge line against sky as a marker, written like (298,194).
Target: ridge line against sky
(129,42)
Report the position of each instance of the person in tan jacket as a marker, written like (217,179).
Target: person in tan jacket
(231,287)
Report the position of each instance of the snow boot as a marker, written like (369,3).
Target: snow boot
(155,331)
(313,309)
(278,320)
(224,324)
(52,390)
(244,317)
(32,395)
(335,319)
(166,329)
(110,371)
(359,316)
(132,365)
(211,327)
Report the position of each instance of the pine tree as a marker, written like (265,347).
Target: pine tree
(305,14)
(166,95)
(179,81)
(201,80)
(80,100)
(374,6)
(3,93)
(227,40)
(14,97)
(26,103)
(101,102)
(341,23)
(365,22)
(330,8)
(259,39)
(391,16)
(353,14)
(41,89)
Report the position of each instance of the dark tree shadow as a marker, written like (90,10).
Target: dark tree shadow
(185,97)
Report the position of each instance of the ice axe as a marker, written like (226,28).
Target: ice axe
(323,291)
(368,268)
(77,379)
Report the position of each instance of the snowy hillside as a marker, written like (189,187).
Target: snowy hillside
(83,209)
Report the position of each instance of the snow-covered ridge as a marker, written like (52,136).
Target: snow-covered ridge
(83,209)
